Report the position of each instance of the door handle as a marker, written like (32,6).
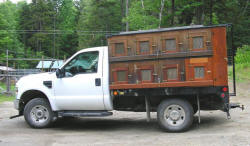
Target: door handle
(97,82)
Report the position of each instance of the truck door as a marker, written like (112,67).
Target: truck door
(81,88)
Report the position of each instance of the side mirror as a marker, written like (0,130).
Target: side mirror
(59,73)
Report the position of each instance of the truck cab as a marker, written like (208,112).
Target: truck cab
(80,84)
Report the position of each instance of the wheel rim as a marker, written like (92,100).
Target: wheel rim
(174,115)
(39,114)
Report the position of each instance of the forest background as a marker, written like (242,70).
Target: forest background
(58,28)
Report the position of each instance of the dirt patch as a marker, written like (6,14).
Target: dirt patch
(129,128)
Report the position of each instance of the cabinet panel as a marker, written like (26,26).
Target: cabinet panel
(200,40)
(144,46)
(118,48)
(198,69)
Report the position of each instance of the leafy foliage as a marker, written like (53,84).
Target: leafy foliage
(100,16)
(67,22)
(243,55)
(58,28)
(143,16)
(242,64)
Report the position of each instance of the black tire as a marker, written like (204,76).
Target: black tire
(39,109)
(182,115)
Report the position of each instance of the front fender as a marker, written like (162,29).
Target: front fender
(36,82)
(46,91)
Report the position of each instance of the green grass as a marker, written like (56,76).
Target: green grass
(242,64)
(242,72)
(3,85)
(4,97)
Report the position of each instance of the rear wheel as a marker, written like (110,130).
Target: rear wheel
(175,115)
(38,113)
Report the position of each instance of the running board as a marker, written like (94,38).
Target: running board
(12,117)
(84,113)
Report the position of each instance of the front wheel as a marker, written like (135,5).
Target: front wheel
(175,115)
(38,113)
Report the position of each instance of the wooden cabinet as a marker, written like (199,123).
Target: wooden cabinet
(171,57)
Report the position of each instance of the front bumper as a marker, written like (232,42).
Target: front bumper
(16,104)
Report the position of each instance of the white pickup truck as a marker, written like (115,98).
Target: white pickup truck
(95,81)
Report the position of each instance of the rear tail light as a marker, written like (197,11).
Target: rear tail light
(224,89)
(222,95)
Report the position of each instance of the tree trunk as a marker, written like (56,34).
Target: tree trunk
(160,14)
(211,12)
(142,4)
(127,24)
(122,13)
(173,12)
(199,12)
(244,9)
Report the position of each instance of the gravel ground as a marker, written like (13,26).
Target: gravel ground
(129,128)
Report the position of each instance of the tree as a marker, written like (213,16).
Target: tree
(68,40)
(60,27)
(8,24)
(37,17)
(143,15)
(97,19)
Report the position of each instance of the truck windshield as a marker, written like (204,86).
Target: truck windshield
(86,62)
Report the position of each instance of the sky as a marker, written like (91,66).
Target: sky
(15,1)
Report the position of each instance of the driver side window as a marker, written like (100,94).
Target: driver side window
(86,62)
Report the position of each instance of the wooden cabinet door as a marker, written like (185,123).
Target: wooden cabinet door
(170,42)
(144,45)
(198,69)
(199,40)
(120,75)
(119,48)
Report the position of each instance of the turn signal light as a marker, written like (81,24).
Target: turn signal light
(115,93)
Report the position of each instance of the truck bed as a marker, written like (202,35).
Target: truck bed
(191,56)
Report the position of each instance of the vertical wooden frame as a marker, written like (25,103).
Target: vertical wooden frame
(165,74)
(199,34)
(138,40)
(220,58)
(125,48)
(146,67)
(114,74)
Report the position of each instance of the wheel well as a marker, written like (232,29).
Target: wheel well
(156,101)
(29,95)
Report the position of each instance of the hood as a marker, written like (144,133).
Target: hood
(36,78)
